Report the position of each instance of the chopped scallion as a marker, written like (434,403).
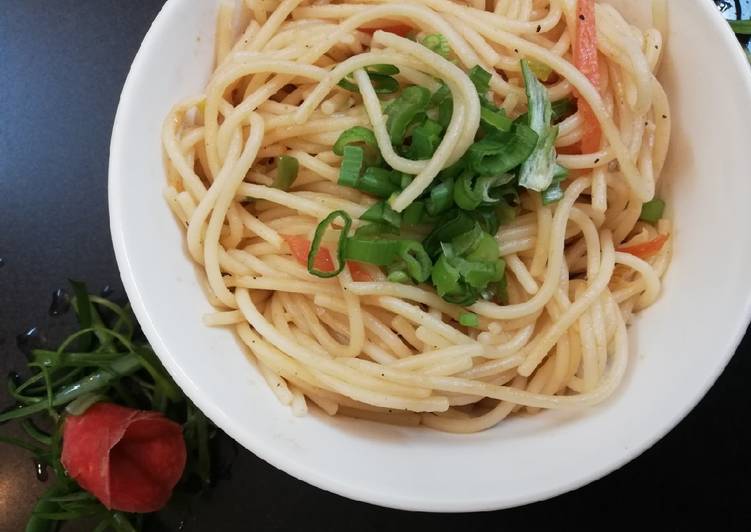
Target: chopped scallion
(652,211)
(437,43)
(469,320)
(286,172)
(315,246)
(349,171)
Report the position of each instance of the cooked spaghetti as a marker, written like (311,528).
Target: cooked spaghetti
(426,211)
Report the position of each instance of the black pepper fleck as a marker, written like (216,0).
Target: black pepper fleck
(582,17)
(539,28)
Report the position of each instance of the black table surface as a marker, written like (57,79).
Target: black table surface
(62,66)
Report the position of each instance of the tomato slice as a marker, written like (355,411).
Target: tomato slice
(585,59)
(358,272)
(647,249)
(300,247)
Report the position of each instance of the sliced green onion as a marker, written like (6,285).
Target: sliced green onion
(425,140)
(505,214)
(554,192)
(501,153)
(652,211)
(465,195)
(445,278)
(348,85)
(315,246)
(413,214)
(416,259)
(489,217)
(496,119)
(559,110)
(442,93)
(562,109)
(286,172)
(409,253)
(355,135)
(377,181)
(486,249)
(469,320)
(384,84)
(412,101)
(378,252)
(386,70)
(382,213)
(374,230)
(380,76)
(540,110)
(473,274)
(480,78)
(455,170)
(438,43)
(497,292)
(537,172)
(445,112)
(398,276)
(449,227)
(349,171)
(441,198)
(468,241)
(501,184)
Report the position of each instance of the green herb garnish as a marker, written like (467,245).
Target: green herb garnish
(105,360)
(286,172)
(652,211)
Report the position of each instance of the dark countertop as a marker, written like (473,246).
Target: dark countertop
(62,65)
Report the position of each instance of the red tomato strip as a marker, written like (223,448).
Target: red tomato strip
(585,59)
(300,247)
(647,249)
(128,459)
(358,272)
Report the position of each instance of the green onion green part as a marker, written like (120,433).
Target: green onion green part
(652,211)
(438,44)
(286,172)
(469,320)
(315,246)
(538,170)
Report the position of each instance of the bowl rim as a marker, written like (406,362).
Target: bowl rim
(258,444)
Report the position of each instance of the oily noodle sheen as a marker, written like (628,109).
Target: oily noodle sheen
(393,352)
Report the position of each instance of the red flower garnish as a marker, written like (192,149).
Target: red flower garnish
(128,459)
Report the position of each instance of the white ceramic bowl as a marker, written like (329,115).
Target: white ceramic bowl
(679,346)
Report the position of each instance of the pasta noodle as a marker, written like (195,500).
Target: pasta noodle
(299,73)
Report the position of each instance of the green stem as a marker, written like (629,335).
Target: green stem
(126,365)
(38,523)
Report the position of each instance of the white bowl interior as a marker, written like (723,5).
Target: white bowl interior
(678,347)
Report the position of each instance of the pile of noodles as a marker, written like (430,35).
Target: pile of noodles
(396,352)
